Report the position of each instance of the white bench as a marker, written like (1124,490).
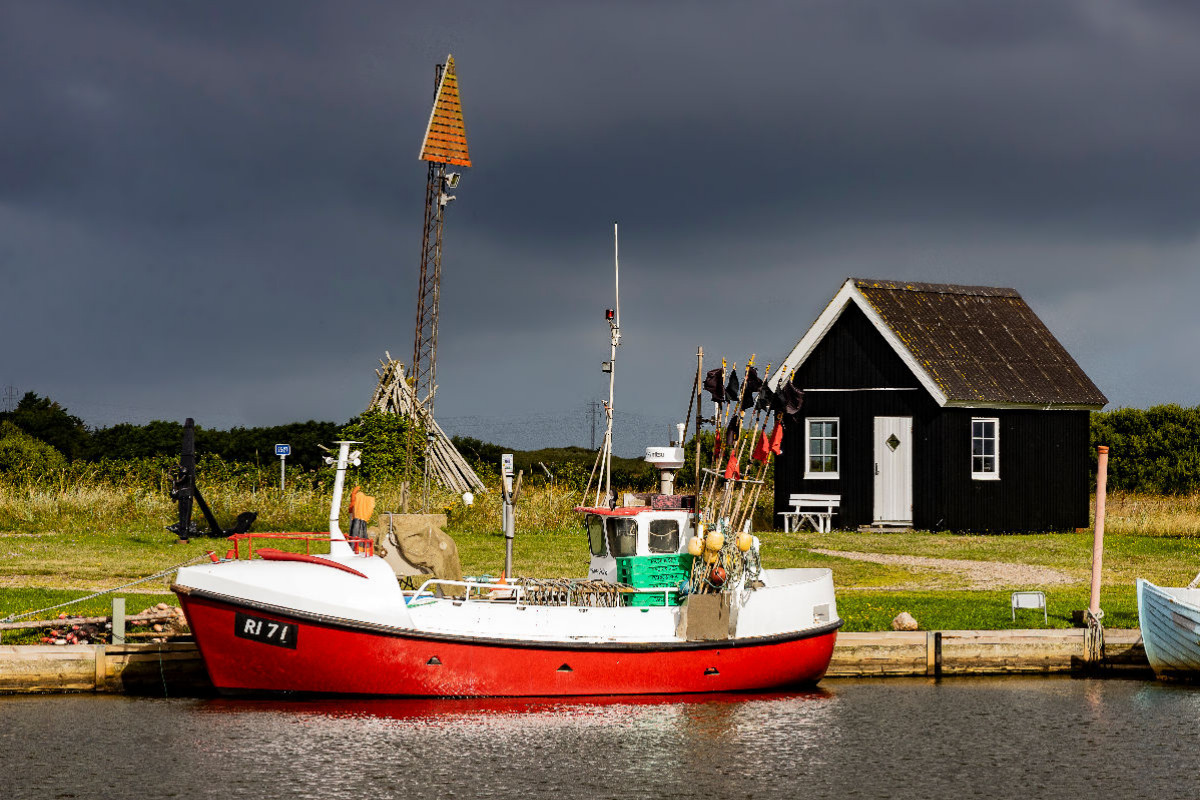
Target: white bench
(817,509)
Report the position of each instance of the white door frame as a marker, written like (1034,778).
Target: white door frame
(893,470)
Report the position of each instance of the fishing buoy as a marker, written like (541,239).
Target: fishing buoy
(718,576)
(695,545)
(715,540)
(711,556)
(744,541)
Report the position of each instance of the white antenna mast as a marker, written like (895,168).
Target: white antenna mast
(614,324)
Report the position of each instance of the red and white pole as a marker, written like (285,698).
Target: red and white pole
(1098,539)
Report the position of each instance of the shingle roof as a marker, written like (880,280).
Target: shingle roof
(980,344)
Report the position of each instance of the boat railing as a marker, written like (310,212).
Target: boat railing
(514,593)
(507,589)
(361,546)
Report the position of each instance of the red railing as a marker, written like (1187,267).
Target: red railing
(363,546)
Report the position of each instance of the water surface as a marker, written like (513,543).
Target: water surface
(958,738)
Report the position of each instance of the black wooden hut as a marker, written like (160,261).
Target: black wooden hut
(939,407)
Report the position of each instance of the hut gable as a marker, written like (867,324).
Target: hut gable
(968,346)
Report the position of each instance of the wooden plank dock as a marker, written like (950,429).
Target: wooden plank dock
(176,669)
(171,669)
(899,653)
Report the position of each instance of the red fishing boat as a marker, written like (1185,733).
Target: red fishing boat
(339,623)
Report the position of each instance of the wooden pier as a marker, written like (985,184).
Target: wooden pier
(938,653)
(175,669)
(168,669)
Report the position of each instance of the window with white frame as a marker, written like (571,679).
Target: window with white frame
(821,447)
(985,448)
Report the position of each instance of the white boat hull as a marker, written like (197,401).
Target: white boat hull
(1170,623)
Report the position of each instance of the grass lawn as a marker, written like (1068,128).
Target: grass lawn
(67,541)
(980,610)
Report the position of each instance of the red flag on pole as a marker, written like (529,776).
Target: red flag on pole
(762,448)
(777,438)
(732,473)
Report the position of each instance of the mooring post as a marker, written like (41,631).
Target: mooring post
(1093,638)
(118,620)
(101,668)
(1098,538)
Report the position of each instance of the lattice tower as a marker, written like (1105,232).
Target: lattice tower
(445,143)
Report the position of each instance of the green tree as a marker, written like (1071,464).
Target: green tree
(47,421)
(385,445)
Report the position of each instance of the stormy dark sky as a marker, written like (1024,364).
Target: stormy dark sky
(213,209)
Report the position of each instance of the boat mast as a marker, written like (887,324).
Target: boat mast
(614,324)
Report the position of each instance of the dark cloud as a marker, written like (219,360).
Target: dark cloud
(214,209)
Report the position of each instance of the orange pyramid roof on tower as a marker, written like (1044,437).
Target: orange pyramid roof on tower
(446,136)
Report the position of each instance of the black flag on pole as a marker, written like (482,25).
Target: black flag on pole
(732,431)
(753,385)
(793,400)
(767,400)
(732,388)
(712,385)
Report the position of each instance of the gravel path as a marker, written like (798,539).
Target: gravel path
(980,574)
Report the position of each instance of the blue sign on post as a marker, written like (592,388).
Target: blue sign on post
(283,451)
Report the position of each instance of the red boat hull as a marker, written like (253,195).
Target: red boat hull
(331,656)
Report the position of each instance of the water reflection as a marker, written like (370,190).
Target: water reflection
(481,710)
(994,738)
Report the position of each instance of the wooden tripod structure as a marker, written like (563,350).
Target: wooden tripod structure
(394,395)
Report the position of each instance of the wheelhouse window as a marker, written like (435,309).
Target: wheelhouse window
(985,448)
(622,536)
(664,536)
(821,447)
(595,532)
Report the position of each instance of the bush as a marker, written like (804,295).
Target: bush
(24,457)
(1151,451)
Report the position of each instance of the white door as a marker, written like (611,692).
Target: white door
(893,469)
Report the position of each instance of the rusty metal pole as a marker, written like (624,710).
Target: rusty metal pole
(1098,539)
